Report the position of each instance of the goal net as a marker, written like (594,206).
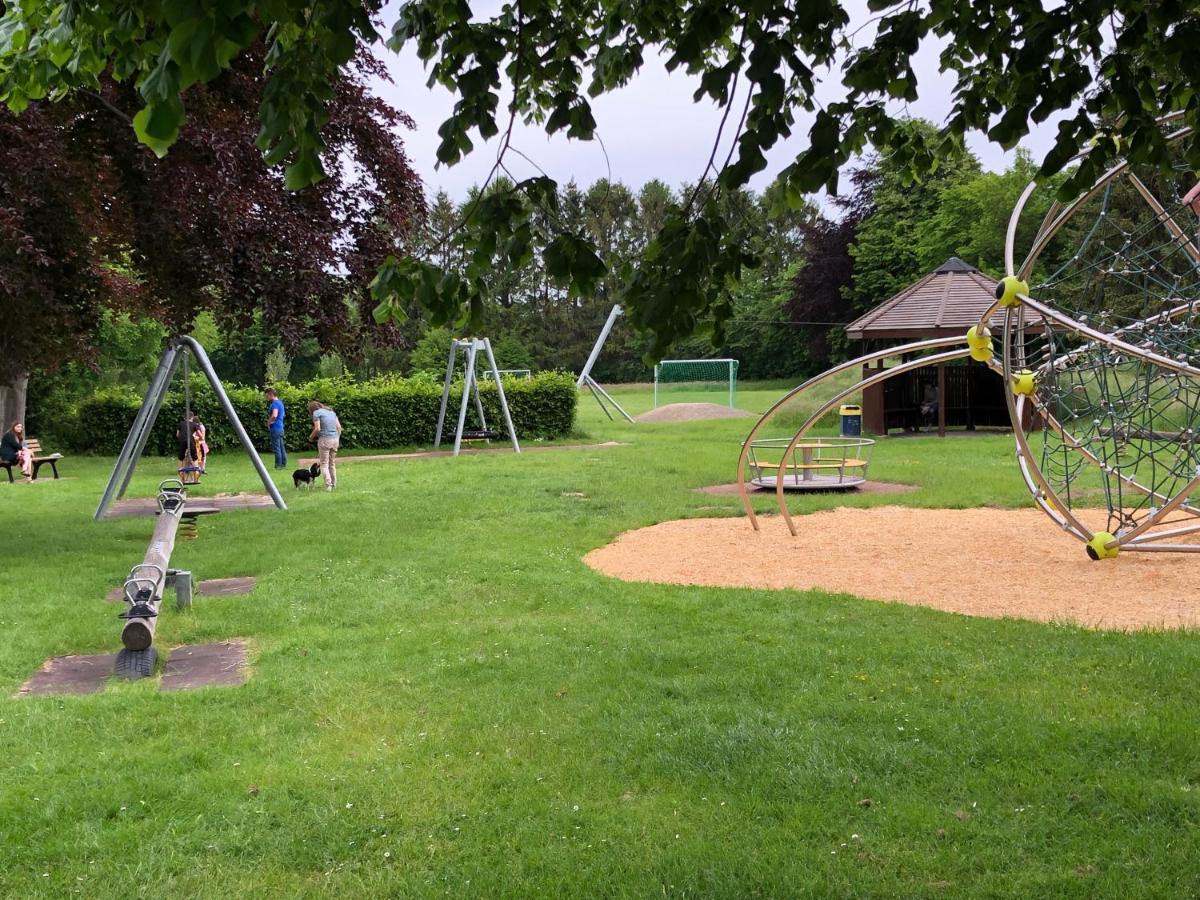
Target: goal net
(679,376)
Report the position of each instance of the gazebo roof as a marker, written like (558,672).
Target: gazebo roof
(945,302)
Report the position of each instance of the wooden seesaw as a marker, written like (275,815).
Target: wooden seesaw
(143,589)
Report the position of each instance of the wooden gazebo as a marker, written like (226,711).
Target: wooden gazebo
(944,303)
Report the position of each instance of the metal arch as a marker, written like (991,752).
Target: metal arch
(1049,229)
(1061,511)
(1090,457)
(1165,217)
(1108,339)
(915,347)
(812,420)
(1164,316)
(1024,453)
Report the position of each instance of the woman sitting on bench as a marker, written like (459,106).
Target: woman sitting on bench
(14,451)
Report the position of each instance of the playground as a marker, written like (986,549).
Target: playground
(441,696)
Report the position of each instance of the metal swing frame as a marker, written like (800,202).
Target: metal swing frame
(139,433)
(471,348)
(585,377)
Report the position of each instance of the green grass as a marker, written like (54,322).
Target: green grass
(446,701)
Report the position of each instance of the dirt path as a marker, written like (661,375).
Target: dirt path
(980,562)
(465,451)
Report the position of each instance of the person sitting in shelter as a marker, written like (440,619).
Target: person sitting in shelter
(14,450)
(929,406)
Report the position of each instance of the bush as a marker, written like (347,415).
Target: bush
(386,412)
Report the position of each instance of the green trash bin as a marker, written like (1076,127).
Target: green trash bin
(851,421)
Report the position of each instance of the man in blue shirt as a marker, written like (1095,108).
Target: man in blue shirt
(275,427)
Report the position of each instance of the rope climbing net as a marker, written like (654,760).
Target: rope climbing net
(1116,402)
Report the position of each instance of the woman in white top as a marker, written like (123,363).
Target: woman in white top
(327,431)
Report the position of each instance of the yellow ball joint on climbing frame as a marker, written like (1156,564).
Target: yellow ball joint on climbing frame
(1024,383)
(1008,288)
(1097,547)
(980,343)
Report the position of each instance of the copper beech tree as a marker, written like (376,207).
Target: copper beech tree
(91,219)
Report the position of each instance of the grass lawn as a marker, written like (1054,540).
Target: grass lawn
(446,701)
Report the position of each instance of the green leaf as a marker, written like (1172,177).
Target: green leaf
(305,171)
(157,126)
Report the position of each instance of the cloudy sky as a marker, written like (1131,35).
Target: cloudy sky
(650,129)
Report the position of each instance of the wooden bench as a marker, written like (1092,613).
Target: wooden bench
(817,464)
(39,459)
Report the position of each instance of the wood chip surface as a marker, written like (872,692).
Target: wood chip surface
(979,562)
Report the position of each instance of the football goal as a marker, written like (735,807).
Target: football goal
(672,375)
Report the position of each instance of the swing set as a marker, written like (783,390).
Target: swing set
(471,348)
(176,354)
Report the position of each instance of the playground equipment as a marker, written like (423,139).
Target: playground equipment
(144,586)
(702,374)
(817,464)
(471,348)
(585,377)
(177,352)
(1104,392)
(143,589)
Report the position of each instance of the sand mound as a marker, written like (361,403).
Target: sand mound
(692,412)
(980,562)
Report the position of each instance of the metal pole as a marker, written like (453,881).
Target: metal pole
(184,587)
(437,439)
(512,432)
(479,400)
(599,345)
(128,456)
(232,416)
(656,365)
(466,397)
(159,399)
(599,399)
(594,386)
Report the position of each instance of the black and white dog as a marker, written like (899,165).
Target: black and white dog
(306,476)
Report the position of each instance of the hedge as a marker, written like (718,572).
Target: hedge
(389,412)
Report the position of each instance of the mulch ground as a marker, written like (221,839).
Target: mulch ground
(867,487)
(979,562)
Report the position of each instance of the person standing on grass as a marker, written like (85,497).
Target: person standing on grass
(275,413)
(327,432)
(14,450)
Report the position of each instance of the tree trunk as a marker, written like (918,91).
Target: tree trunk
(12,402)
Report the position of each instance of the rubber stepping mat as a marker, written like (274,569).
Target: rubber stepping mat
(205,665)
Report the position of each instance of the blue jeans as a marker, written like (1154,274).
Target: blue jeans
(278,448)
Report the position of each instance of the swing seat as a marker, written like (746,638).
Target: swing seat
(481,435)
(190,474)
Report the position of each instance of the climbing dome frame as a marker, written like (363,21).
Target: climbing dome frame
(1104,390)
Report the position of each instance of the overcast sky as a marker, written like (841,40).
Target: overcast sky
(651,128)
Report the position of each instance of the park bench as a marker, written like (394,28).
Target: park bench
(39,459)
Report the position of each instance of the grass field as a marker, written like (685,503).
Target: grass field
(446,701)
